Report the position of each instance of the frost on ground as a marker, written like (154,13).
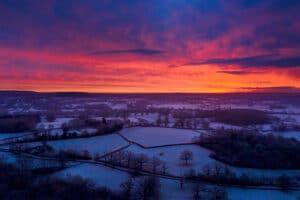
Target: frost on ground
(171,155)
(100,144)
(150,118)
(288,134)
(100,175)
(56,124)
(153,136)
(254,194)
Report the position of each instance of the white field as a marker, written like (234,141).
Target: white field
(150,118)
(170,189)
(288,134)
(153,136)
(171,155)
(56,124)
(99,144)
(254,194)
(100,175)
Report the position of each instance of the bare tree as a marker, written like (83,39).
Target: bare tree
(128,158)
(65,129)
(158,121)
(62,161)
(148,187)
(218,169)
(186,156)
(86,154)
(97,157)
(164,167)
(196,191)
(24,163)
(206,170)
(141,159)
(166,120)
(155,162)
(219,193)
(127,188)
(284,182)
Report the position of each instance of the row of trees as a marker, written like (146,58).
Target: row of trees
(137,162)
(68,133)
(221,174)
(250,149)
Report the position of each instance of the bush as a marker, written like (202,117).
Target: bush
(239,117)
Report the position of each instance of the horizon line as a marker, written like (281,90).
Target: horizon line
(149,93)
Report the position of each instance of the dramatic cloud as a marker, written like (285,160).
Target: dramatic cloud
(283,89)
(238,72)
(253,61)
(149,46)
(147,52)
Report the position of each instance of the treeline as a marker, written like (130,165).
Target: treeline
(102,129)
(250,149)
(239,117)
(218,173)
(18,123)
(194,118)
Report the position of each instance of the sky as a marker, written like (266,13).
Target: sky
(131,46)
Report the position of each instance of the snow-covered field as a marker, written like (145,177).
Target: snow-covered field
(154,136)
(150,118)
(288,134)
(99,144)
(164,143)
(171,155)
(100,175)
(254,194)
(201,158)
(56,124)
